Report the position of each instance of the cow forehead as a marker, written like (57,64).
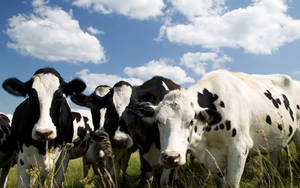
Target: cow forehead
(45,85)
(176,105)
(121,98)
(102,90)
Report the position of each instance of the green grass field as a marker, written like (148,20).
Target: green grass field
(259,172)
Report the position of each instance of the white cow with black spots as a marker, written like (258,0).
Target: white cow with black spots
(226,115)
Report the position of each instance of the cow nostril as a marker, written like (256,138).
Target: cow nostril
(171,158)
(45,134)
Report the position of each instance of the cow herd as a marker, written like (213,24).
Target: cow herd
(220,120)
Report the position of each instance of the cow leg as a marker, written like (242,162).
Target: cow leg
(296,139)
(236,163)
(61,168)
(86,167)
(166,178)
(24,179)
(3,176)
(275,157)
(147,173)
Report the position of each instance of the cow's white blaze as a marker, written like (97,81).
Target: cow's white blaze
(45,86)
(121,98)
(175,116)
(102,91)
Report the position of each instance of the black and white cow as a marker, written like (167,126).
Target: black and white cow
(226,115)
(8,155)
(126,128)
(87,143)
(42,124)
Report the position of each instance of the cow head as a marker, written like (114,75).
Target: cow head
(115,103)
(177,115)
(47,92)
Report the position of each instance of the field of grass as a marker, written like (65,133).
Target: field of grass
(259,172)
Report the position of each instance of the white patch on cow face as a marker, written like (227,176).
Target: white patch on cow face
(123,137)
(174,116)
(45,86)
(102,91)
(121,98)
(165,86)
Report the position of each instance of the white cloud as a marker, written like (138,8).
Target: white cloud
(261,27)
(136,9)
(92,80)
(51,34)
(95,31)
(161,68)
(198,61)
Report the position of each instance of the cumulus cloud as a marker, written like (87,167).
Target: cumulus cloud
(198,61)
(93,80)
(260,28)
(161,68)
(95,31)
(136,9)
(51,34)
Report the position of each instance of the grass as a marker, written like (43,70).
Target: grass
(259,172)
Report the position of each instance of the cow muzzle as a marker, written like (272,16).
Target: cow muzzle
(43,135)
(121,143)
(170,159)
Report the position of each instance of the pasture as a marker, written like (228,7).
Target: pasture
(259,172)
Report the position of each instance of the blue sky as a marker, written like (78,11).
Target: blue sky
(104,41)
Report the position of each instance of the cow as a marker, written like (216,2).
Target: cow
(88,143)
(42,124)
(127,130)
(8,155)
(223,117)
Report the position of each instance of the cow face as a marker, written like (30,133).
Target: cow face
(46,93)
(176,116)
(115,103)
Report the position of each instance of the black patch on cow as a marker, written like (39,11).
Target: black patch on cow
(81,132)
(207,128)
(275,102)
(221,126)
(21,162)
(280,127)
(287,106)
(290,130)
(195,129)
(298,106)
(77,116)
(233,132)
(228,125)
(222,104)
(188,139)
(268,120)
(278,101)
(207,99)
(216,128)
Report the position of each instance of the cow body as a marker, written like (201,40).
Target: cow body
(8,155)
(224,116)
(42,123)
(126,129)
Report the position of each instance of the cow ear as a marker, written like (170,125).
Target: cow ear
(74,87)
(81,100)
(15,87)
(209,116)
